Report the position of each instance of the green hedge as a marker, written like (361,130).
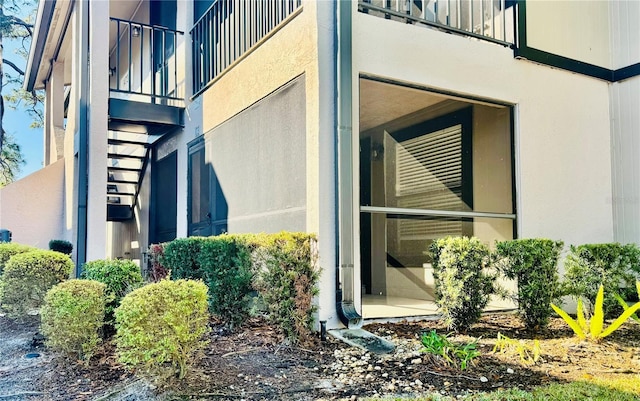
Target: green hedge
(60,245)
(162,327)
(181,258)
(287,279)
(73,315)
(534,264)
(612,265)
(120,277)
(8,249)
(463,282)
(226,265)
(28,276)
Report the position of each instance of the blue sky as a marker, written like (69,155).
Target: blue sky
(16,122)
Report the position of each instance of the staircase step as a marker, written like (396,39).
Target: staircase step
(121,156)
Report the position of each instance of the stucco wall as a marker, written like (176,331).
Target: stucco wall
(625,136)
(563,166)
(33,208)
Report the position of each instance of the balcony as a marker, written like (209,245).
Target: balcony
(229,29)
(146,102)
(490,20)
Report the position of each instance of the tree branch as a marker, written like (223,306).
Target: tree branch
(17,21)
(12,65)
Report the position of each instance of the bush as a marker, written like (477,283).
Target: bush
(28,276)
(463,283)
(534,264)
(61,246)
(181,258)
(155,270)
(161,327)
(612,265)
(226,265)
(120,277)
(72,316)
(8,249)
(287,279)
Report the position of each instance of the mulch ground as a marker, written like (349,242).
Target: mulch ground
(256,363)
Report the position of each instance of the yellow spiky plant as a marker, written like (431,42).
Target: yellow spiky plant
(594,330)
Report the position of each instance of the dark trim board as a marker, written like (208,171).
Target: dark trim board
(522,50)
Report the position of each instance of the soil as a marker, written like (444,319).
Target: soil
(256,363)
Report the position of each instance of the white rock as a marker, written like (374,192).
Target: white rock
(483,379)
(418,383)
(416,361)
(510,371)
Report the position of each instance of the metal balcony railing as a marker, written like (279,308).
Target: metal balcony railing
(143,60)
(491,20)
(229,29)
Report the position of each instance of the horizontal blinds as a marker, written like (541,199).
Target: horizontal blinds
(429,176)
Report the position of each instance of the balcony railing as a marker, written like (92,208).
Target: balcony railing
(229,29)
(491,20)
(143,60)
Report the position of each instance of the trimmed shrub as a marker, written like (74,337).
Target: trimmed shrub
(155,270)
(287,279)
(181,258)
(161,327)
(534,264)
(120,277)
(462,280)
(8,249)
(614,266)
(62,246)
(72,316)
(28,276)
(226,265)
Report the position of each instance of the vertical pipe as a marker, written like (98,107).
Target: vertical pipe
(141,59)
(345,293)
(459,13)
(83,143)
(482,16)
(493,20)
(117,54)
(130,61)
(504,20)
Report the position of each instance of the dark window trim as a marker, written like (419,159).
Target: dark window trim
(522,50)
(464,117)
(194,146)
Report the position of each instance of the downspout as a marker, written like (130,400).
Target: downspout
(83,140)
(345,281)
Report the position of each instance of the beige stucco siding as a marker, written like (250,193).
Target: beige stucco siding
(563,166)
(288,52)
(33,207)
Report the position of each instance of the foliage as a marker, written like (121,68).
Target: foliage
(529,354)
(155,269)
(72,316)
(534,264)
(181,258)
(462,280)
(612,265)
(14,28)
(226,264)
(594,330)
(451,353)
(28,276)
(120,277)
(624,305)
(11,161)
(62,246)
(161,327)
(287,279)
(8,249)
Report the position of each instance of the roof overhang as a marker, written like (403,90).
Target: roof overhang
(51,25)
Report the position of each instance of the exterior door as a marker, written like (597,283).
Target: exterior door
(164,196)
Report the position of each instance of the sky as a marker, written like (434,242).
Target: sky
(16,122)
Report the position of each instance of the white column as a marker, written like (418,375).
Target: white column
(55,88)
(97,116)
